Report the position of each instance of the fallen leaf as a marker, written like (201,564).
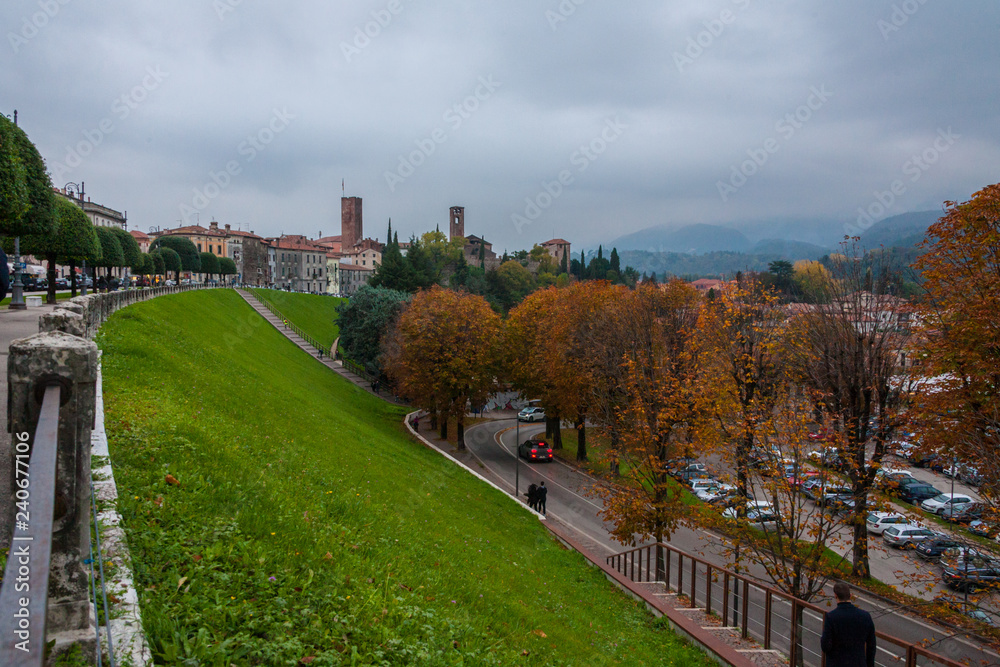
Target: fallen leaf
(328,556)
(181,582)
(455,643)
(197,557)
(540,633)
(172,480)
(525,652)
(306,660)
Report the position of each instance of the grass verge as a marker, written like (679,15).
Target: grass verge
(60,296)
(277,514)
(316,314)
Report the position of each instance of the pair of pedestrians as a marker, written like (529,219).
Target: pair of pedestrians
(537,496)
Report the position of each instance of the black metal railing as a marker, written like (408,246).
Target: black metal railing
(771,617)
(319,347)
(24,597)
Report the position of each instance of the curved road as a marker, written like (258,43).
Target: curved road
(571,502)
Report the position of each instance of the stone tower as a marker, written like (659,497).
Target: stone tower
(457,227)
(351,228)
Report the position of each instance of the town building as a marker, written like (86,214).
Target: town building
(559,248)
(141,238)
(100,215)
(300,265)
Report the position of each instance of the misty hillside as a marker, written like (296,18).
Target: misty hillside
(905,230)
(690,239)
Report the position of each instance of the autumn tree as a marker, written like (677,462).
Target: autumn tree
(441,354)
(959,354)
(660,409)
(847,356)
(524,355)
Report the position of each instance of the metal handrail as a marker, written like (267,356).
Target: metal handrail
(288,323)
(24,597)
(641,563)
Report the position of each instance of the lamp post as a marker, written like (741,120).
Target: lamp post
(517,456)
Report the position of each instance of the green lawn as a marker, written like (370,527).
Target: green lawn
(305,522)
(59,296)
(313,313)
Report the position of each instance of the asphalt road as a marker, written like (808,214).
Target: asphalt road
(571,502)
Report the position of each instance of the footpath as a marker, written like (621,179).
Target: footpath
(333,364)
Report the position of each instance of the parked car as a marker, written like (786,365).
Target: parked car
(798,481)
(984,528)
(832,494)
(812,488)
(963,513)
(688,476)
(973,575)
(938,503)
(903,537)
(535,450)
(764,519)
(711,490)
(877,522)
(931,550)
(531,415)
(917,493)
(751,506)
(956,556)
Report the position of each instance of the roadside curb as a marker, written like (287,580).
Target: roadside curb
(427,443)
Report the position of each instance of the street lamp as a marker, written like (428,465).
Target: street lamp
(517,457)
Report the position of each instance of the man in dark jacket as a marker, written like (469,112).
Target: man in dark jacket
(542,493)
(848,633)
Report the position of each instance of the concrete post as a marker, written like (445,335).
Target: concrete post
(70,361)
(62,320)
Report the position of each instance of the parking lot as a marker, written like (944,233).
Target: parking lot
(904,569)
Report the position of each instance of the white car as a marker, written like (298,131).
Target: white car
(709,492)
(877,522)
(937,504)
(752,506)
(531,415)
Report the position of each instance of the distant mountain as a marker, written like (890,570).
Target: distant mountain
(905,231)
(691,239)
(790,250)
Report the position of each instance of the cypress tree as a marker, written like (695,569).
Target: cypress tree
(615,261)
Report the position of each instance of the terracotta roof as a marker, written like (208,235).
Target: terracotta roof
(296,243)
(138,236)
(193,230)
(556,242)
(355,267)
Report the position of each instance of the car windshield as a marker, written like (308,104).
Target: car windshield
(941,498)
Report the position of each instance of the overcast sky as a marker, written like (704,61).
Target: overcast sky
(649,113)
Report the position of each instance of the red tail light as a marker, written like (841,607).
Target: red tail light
(534,451)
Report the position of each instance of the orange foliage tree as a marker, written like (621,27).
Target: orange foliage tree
(847,356)
(441,353)
(960,334)
(548,351)
(653,404)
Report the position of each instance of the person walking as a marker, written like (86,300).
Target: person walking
(848,633)
(533,496)
(541,495)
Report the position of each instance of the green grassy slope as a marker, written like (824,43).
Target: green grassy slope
(313,313)
(306,523)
